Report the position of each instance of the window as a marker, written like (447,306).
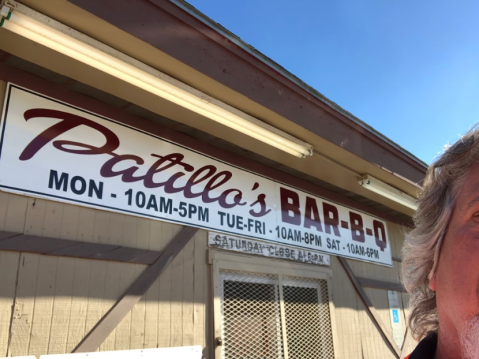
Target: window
(250,316)
(271,313)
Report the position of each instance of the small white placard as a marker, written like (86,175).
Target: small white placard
(191,352)
(265,249)
(395,312)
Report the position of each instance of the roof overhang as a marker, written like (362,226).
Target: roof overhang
(179,43)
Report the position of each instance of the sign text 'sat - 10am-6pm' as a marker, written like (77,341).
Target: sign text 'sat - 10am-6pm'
(75,156)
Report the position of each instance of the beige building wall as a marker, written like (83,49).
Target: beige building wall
(48,303)
(358,335)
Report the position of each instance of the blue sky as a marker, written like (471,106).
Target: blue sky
(408,68)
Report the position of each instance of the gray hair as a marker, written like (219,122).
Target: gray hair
(443,182)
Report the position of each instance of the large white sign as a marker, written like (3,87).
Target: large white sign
(53,150)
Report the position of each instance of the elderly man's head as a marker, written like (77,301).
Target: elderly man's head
(441,255)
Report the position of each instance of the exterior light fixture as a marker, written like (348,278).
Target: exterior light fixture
(385,190)
(43,30)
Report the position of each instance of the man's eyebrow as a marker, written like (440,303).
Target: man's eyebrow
(472,202)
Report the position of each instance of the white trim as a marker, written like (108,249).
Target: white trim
(279,265)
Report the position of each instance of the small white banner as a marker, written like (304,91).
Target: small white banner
(191,352)
(250,246)
(53,150)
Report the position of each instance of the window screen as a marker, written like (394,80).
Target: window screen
(251,306)
(306,307)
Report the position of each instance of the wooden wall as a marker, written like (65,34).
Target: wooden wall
(48,304)
(358,336)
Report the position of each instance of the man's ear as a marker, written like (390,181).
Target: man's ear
(432,282)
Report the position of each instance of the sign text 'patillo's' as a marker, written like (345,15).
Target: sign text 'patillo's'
(53,150)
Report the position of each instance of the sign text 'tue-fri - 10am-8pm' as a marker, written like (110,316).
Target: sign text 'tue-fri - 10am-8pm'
(53,150)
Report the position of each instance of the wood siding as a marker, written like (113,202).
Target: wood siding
(358,336)
(48,304)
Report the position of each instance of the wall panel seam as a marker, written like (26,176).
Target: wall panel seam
(14,305)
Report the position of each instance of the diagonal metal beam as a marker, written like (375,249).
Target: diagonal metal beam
(115,315)
(369,306)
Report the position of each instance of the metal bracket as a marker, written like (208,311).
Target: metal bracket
(6,8)
(9,4)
